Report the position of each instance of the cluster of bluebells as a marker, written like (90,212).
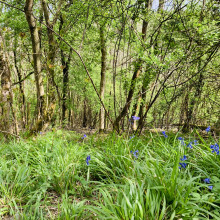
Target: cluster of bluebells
(84,136)
(215,148)
(182,140)
(190,145)
(207,180)
(135,153)
(88,158)
(183,165)
(164,134)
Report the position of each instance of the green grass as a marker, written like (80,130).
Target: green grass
(48,178)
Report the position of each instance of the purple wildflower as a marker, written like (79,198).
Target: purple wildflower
(182,140)
(208,129)
(182,165)
(135,118)
(184,158)
(207,180)
(84,136)
(215,148)
(88,158)
(210,187)
(164,134)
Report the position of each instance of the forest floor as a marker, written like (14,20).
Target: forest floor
(66,175)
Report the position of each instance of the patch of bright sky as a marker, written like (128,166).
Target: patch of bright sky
(167,5)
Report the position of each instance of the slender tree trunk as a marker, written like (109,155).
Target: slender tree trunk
(21,85)
(102,81)
(85,119)
(37,64)
(135,112)
(52,87)
(6,98)
(65,65)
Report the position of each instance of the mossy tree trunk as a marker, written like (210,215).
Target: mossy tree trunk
(41,105)
(6,97)
(103,73)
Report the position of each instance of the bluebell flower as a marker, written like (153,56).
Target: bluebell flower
(135,118)
(184,158)
(164,134)
(190,145)
(135,153)
(215,148)
(195,142)
(208,129)
(132,136)
(207,180)
(84,136)
(182,165)
(182,140)
(210,187)
(88,158)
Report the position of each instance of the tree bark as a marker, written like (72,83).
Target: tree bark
(103,73)
(65,66)
(37,64)
(6,98)
(52,87)
(21,85)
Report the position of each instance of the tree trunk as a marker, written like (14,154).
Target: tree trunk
(85,119)
(52,87)
(65,66)
(37,64)
(102,81)
(6,98)
(21,85)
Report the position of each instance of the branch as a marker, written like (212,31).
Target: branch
(23,79)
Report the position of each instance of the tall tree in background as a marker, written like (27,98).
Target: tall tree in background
(41,105)
(6,96)
(103,73)
(51,59)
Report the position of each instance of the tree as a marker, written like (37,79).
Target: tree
(6,98)
(41,105)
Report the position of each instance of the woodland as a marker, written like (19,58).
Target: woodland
(109,109)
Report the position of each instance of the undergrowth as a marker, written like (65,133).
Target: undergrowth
(61,175)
